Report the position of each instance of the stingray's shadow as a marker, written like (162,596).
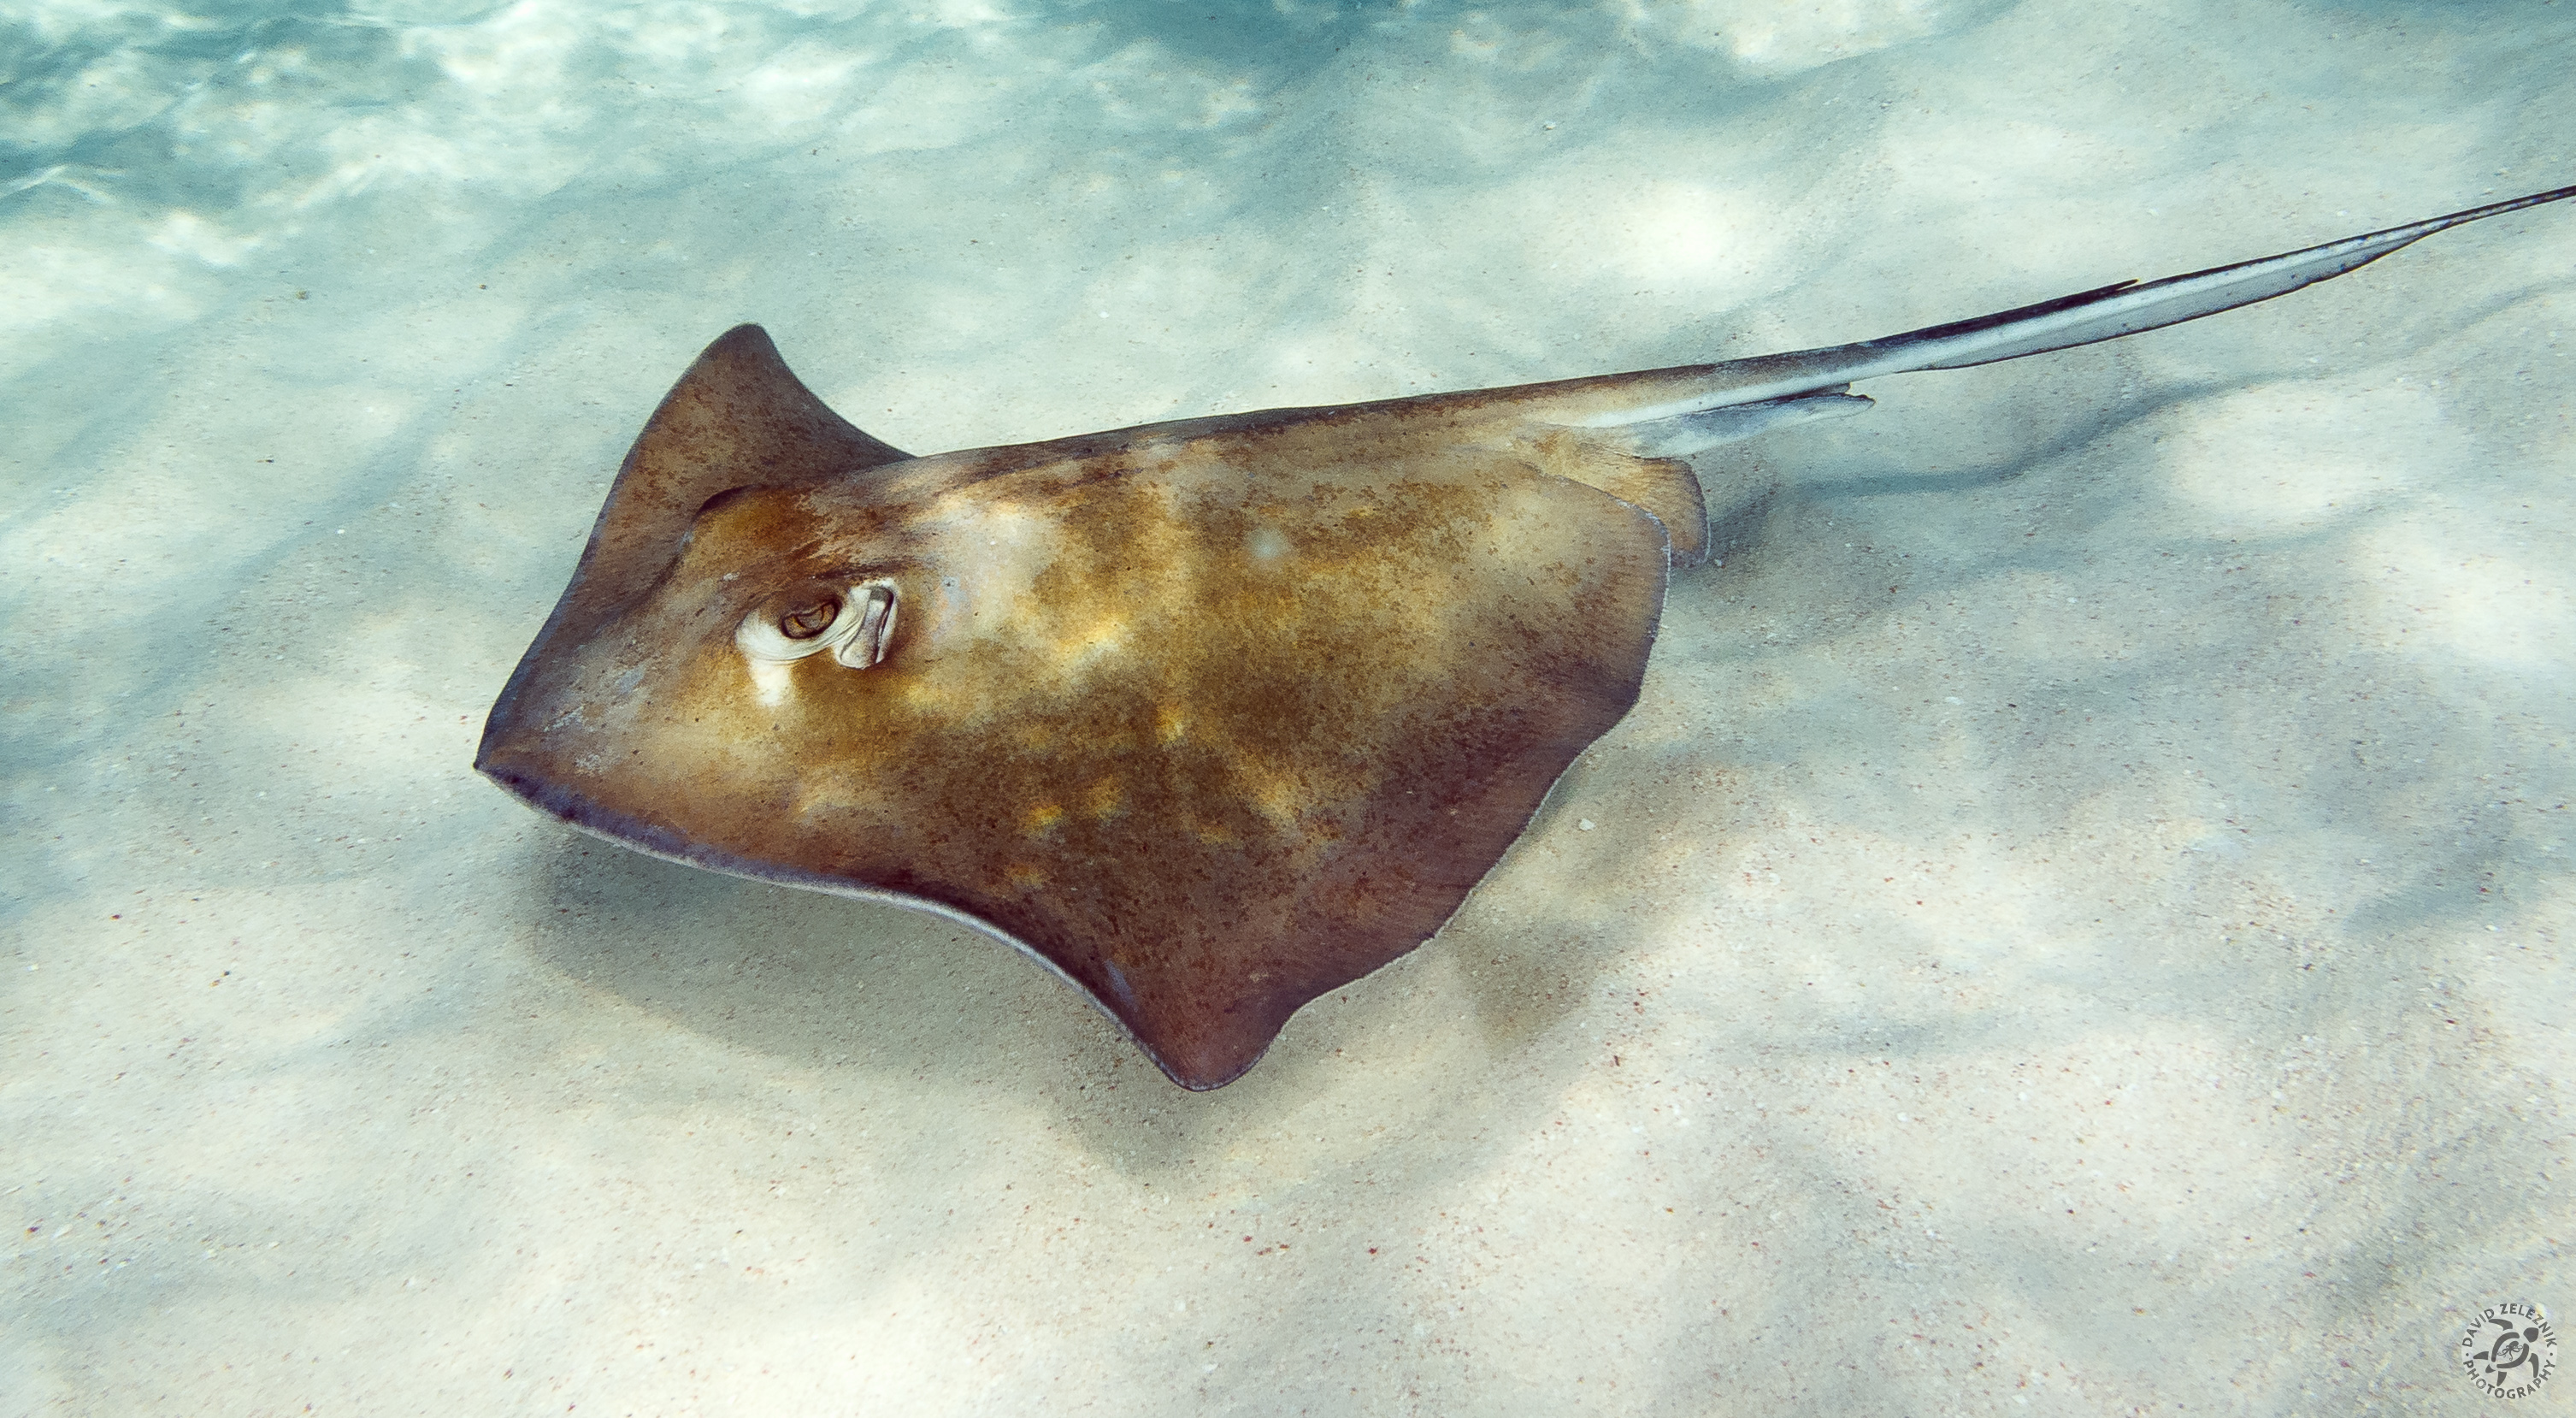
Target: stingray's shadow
(1882,480)
(831,984)
(815,981)
(885,996)
(2420,328)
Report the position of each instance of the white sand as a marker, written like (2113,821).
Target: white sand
(2076,924)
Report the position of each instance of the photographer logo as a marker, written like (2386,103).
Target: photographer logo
(2510,1350)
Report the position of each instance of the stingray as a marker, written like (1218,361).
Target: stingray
(1209,717)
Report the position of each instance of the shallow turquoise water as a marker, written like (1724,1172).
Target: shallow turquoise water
(2076,924)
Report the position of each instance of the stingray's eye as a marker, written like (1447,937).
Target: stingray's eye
(806,622)
(854,624)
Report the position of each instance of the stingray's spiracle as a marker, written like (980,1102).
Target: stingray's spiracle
(855,624)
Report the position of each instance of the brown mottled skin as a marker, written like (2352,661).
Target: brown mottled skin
(1214,716)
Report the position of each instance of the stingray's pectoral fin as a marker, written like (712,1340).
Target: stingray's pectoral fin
(1642,464)
(1703,429)
(738,418)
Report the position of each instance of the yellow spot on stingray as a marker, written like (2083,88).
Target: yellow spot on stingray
(1103,634)
(1276,796)
(1169,724)
(1104,798)
(1024,875)
(1215,834)
(1044,816)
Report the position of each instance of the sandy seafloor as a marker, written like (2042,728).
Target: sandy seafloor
(2076,923)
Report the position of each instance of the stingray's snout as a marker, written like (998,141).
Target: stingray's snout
(505,759)
(499,770)
(507,753)
(494,759)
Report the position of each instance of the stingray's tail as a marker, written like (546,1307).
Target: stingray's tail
(1668,412)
